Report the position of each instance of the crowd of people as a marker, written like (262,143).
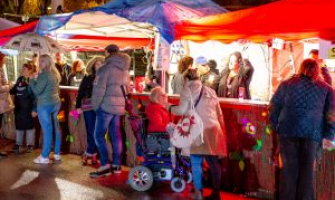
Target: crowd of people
(301,112)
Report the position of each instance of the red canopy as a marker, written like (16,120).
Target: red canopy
(79,42)
(286,19)
(98,43)
(30,27)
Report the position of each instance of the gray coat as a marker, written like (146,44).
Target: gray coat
(107,93)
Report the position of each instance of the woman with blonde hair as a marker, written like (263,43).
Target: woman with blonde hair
(214,135)
(46,89)
(83,105)
(302,113)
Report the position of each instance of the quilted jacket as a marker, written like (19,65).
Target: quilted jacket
(303,108)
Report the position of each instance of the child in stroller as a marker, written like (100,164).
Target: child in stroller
(162,162)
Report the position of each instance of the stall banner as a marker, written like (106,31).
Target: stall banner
(163,56)
(327,49)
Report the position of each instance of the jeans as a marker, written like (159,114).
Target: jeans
(90,118)
(297,173)
(106,120)
(30,137)
(47,115)
(215,169)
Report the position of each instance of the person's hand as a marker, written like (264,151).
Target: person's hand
(79,111)
(34,114)
(327,144)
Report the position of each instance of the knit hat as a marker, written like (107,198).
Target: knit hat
(112,48)
(201,60)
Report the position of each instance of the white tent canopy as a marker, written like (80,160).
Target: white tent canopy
(101,24)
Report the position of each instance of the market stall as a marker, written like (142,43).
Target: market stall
(298,24)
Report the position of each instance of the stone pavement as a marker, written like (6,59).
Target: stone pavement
(21,179)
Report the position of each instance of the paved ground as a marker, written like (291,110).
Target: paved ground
(20,179)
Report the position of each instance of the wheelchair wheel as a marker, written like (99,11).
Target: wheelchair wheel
(140,178)
(188,177)
(178,184)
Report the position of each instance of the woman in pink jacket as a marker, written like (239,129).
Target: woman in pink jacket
(214,135)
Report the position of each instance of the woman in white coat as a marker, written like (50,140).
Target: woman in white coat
(214,135)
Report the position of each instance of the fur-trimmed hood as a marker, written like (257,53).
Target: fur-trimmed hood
(119,60)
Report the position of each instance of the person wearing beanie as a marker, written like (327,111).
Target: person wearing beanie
(109,104)
(205,71)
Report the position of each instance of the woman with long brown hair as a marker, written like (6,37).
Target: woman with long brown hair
(85,95)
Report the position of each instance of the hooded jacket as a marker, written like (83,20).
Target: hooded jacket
(107,93)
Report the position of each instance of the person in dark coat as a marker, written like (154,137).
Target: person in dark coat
(85,92)
(236,75)
(302,113)
(25,108)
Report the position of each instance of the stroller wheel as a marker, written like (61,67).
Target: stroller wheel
(178,184)
(188,177)
(140,178)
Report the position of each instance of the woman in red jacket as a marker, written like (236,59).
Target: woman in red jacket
(156,112)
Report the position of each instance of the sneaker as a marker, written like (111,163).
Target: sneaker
(116,169)
(30,148)
(57,158)
(41,160)
(16,149)
(101,172)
